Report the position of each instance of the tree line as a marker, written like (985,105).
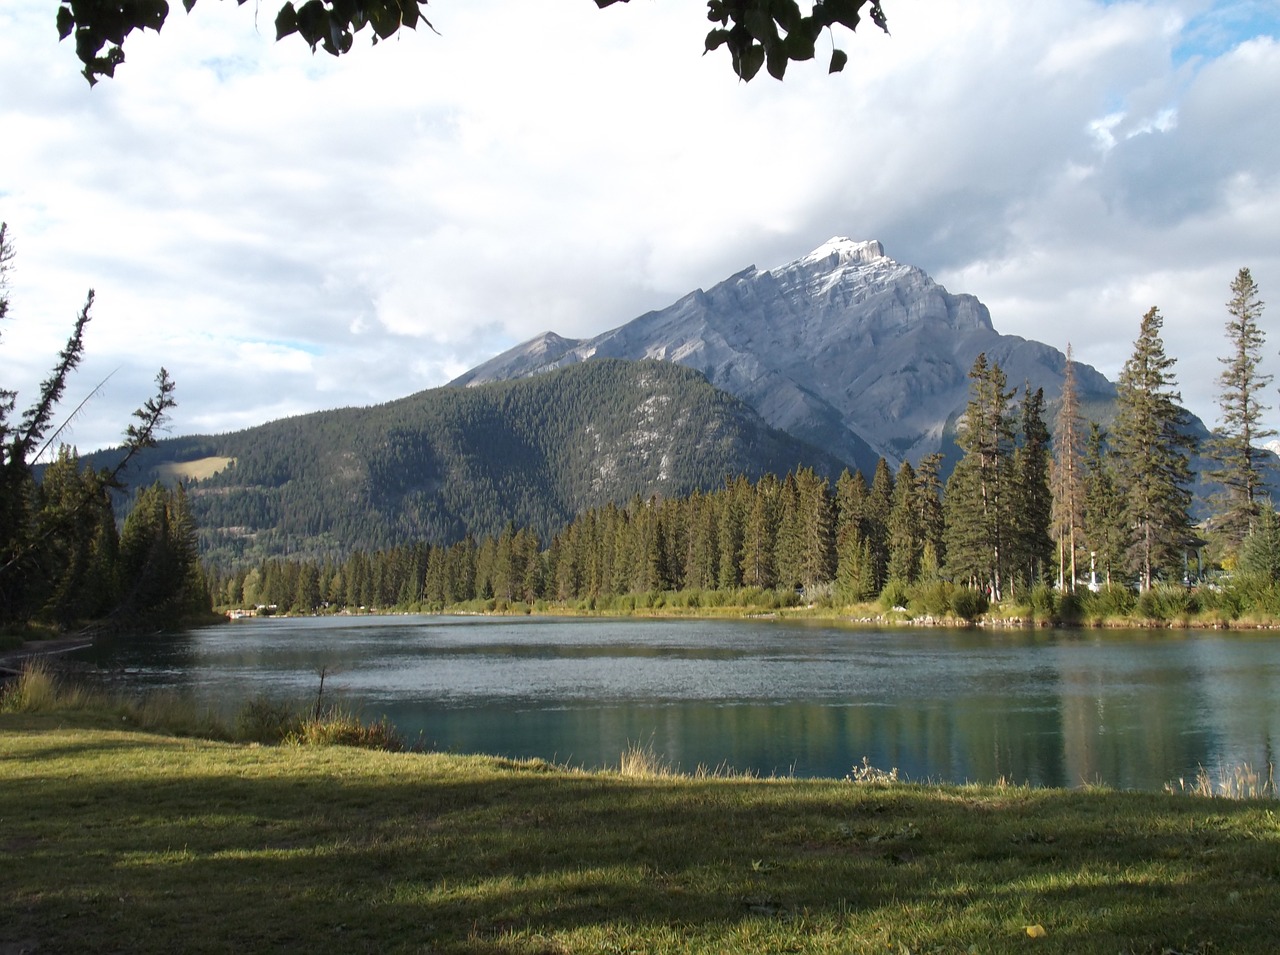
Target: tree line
(1025,507)
(63,559)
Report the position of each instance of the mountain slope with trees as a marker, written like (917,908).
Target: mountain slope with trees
(448,462)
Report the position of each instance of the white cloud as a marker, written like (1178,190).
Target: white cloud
(287,232)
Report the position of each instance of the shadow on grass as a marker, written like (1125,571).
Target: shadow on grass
(129,845)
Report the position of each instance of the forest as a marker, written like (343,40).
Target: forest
(64,560)
(1070,521)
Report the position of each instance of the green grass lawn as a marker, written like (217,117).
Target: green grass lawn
(118,840)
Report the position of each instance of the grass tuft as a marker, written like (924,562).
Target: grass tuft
(643,762)
(1241,781)
(865,774)
(38,689)
(339,727)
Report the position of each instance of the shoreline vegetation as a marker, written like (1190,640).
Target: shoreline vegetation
(1164,607)
(128,823)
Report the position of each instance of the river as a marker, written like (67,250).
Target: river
(1128,709)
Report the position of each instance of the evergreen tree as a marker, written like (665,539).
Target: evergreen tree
(928,498)
(1260,553)
(1068,489)
(875,521)
(759,534)
(976,509)
(851,499)
(817,529)
(855,575)
(1152,449)
(906,537)
(1241,427)
(736,499)
(1031,504)
(788,552)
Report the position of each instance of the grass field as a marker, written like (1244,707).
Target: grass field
(198,470)
(113,839)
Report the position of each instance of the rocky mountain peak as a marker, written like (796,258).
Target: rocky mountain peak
(841,250)
(844,348)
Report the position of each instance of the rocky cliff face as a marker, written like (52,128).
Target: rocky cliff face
(844,348)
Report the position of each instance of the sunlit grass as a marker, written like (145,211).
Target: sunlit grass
(120,840)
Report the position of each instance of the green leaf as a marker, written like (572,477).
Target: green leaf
(384,18)
(760,25)
(313,22)
(798,46)
(838,59)
(749,62)
(716,39)
(67,23)
(777,61)
(286,21)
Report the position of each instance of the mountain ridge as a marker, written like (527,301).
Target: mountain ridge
(844,347)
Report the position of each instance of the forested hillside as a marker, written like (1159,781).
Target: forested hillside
(446,462)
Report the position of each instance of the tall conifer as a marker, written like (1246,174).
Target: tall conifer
(1241,410)
(1068,501)
(977,499)
(1152,449)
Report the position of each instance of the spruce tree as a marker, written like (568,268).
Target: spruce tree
(875,521)
(1260,553)
(1103,533)
(1068,497)
(1241,409)
(928,498)
(1031,504)
(977,501)
(905,534)
(1152,449)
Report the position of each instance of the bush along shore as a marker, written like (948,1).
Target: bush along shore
(1246,603)
(145,827)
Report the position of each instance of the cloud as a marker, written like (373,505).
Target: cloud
(288,232)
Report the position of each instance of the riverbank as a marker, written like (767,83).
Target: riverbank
(12,658)
(118,840)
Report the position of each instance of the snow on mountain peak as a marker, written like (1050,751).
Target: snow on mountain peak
(847,250)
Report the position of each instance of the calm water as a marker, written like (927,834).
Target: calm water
(1062,708)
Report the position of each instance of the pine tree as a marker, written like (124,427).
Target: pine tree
(1102,518)
(1260,553)
(1068,500)
(758,535)
(817,529)
(1152,449)
(928,498)
(875,521)
(1241,428)
(906,537)
(855,576)
(977,500)
(1031,504)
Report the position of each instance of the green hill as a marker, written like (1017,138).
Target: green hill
(450,461)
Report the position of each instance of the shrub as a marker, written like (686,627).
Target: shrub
(1043,602)
(263,721)
(1070,608)
(969,604)
(338,727)
(1165,602)
(932,597)
(894,594)
(1111,600)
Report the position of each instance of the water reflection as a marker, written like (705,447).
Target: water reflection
(1132,710)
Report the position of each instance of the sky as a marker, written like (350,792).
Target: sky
(288,232)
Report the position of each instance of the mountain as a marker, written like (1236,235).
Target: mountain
(844,348)
(444,462)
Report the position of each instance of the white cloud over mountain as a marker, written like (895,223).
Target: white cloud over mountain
(288,232)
